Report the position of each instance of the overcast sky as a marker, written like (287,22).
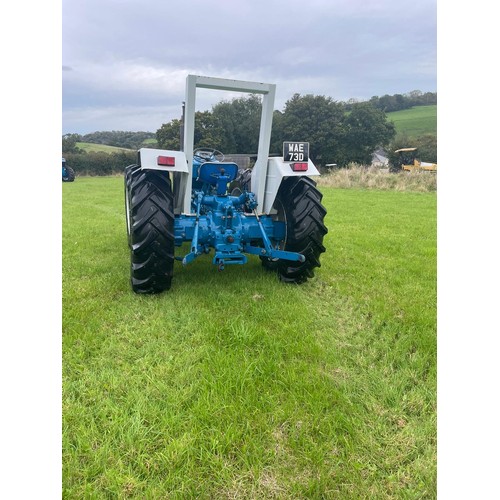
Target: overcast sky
(125,61)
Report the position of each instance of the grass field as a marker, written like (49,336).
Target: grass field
(89,146)
(233,385)
(415,121)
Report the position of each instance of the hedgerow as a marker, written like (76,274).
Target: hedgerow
(99,163)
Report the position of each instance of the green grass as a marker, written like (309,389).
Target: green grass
(234,385)
(89,146)
(415,121)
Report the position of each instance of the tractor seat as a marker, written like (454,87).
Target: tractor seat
(210,172)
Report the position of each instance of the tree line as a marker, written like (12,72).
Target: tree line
(397,102)
(335,135)
(338,132)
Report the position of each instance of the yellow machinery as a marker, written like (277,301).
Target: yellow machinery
(409,162)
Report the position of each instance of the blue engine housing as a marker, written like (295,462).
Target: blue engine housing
(228,224)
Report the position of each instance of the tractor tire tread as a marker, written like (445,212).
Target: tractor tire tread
(306,229)
(152,239)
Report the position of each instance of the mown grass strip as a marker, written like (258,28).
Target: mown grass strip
(233,385)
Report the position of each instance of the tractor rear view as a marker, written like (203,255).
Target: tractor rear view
(273,211)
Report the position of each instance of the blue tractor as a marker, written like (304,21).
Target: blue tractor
(68,174)
(273,211)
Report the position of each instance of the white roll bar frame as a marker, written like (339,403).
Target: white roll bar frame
(259,172)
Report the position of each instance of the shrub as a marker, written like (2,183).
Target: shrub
(99,163)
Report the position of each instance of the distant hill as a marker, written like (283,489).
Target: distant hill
(119,138)
(415,121)
(88,146)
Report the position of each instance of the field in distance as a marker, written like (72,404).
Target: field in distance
(415,121)
(90,147)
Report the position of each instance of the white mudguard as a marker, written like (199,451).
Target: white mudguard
(154,159)
(277,170)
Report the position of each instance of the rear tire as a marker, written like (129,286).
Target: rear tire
(151,228)
(298,203)
(70,175)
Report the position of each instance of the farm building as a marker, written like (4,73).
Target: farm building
(379,158)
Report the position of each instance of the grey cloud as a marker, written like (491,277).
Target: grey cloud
(137,53)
